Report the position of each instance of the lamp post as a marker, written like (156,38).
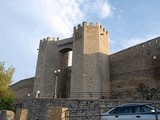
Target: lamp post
(56,72)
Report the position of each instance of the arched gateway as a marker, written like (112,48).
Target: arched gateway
(89,72)
(93,74)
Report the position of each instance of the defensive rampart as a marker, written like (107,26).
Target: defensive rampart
(22,89)
(135,65)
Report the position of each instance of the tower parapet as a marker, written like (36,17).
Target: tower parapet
(48,39)
(80,29)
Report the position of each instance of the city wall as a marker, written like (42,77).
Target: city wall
(93,69)
(135,65)
(22,89)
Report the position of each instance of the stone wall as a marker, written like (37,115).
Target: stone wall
(21,114)
(44,78)
(56,113)
(94,74)
(93,69)
(22,89)
(78,109)
(90,71)
(6,115)
(135,65)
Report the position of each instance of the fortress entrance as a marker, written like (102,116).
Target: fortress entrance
(90,69)
(63,83)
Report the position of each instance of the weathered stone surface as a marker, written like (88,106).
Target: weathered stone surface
(21,114)
(93,69)
(78,109)
(135,65)
(22,89)
(95,73)
(6,115)
(90,51)
(57,113)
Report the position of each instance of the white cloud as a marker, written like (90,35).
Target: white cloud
(62,15)
(36,18)
(106,10)
(98,8)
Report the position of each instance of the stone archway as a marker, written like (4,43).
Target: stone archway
(38,94)
(65,74)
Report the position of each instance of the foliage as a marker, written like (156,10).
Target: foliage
(6,103)
(146,92)
(6,94)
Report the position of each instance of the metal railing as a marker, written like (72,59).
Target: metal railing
(111,95)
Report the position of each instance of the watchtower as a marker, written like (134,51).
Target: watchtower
(52,56)
(90,64)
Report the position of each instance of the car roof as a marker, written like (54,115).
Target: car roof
(133,104)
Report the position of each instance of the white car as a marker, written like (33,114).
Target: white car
(136,111)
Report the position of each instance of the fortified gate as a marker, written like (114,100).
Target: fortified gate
(95,75)
(90,64)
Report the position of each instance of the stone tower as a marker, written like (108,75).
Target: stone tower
(90,65)
(47,61)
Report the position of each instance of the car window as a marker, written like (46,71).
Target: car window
(145,109)
(114,111)
(135,109)
(121,110)
(141,109)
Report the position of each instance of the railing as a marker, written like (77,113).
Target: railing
(112,95)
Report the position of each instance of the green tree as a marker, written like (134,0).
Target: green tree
(6,94)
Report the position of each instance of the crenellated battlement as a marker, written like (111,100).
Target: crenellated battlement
(90,25)
(78,27)
(84,27)
(153,43)
(51,42)
(45,40)
(49,39)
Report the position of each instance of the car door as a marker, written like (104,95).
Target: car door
(125,117)
(121,113)
(126,114)
(136,112)
(113,114)
(146,116)
(143,112)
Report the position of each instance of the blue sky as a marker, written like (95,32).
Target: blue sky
(24,22)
